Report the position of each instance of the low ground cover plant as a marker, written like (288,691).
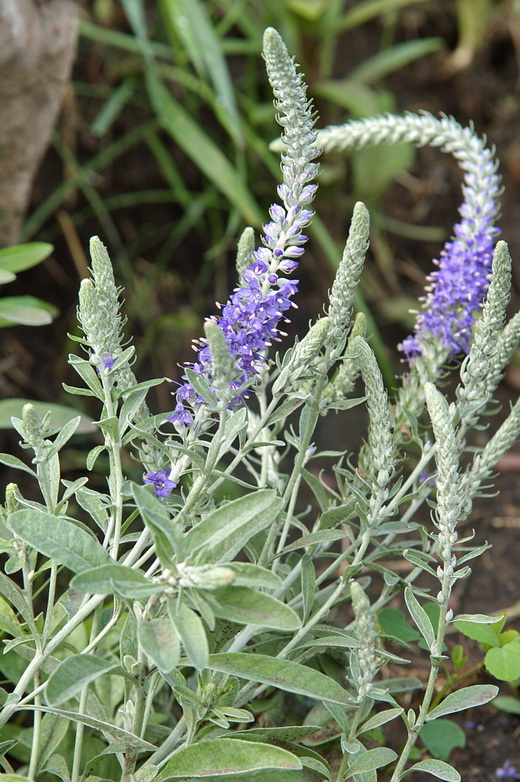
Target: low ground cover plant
(225,617)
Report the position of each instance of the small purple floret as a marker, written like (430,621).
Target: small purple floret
(161,482)
(506,771)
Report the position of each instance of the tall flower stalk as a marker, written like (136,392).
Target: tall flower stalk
(251,317)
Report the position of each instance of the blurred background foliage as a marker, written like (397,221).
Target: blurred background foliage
(162,150)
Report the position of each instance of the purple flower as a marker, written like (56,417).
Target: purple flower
(456,292)
(161,482)
(506,771)
(460,283)
(250,318)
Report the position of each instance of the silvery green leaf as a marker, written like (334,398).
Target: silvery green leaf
(75,391)
(284,674)
(370,760)
(476,552)
(49,475)
(330,642)
(203,608)
(251,575)
(159,642)
(74,673)
(420,617)
(95,504)
(119,734)
(216,757)
(115,578)
(129,408)
(9,621)
(380,719)
(334,516)
(190,630)
(225,531)
(53,730)
(313,538)
(481,619)
(475,695)
(128,638)
(396,528)
(437,768)
(58,539)
(88,374)
(64,435)
(234,425)
(419,559)
(201,386)
(308,581)
(109,427)
(249,606)
(72,488)
(317,489)
(93,455)
(57,765)
(285,410)
(15,463)
(276,734)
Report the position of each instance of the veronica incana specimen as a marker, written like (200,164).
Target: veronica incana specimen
(250,318)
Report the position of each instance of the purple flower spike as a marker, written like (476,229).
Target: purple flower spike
(161,482)
(250,318)
(458,287)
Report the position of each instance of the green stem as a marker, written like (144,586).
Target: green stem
(201,482)
(50,602)
(435,664)
(37,723)
(80,728)
(115,483)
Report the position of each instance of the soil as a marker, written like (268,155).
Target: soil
(485,92)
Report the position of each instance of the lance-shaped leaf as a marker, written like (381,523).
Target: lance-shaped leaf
(246,606)
(437,768)
(74,673)
(190,630)
(118,734)
(58,539)
(420,617)
(224,756)
(224,532)
(284,674)
(371,759)
(115,578)
(476,695)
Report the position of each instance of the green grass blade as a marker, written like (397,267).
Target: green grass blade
(390,60)
(205,52)
(363,12)
(202,150)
